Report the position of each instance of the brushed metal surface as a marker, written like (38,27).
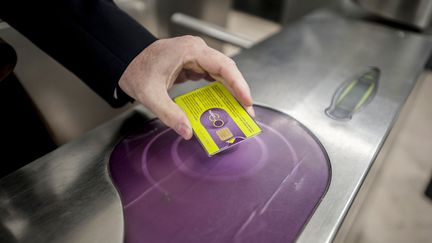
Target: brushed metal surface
(298,70)
(416,13)
(211,30)
(67,195)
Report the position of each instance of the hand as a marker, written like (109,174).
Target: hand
(165,62)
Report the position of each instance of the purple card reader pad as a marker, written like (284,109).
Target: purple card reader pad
(263,190)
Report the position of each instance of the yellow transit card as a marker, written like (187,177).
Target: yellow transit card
(218,120)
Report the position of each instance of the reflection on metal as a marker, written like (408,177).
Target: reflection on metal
(354,94)
(417,13)
(210,11)
(210,30)
(293,10)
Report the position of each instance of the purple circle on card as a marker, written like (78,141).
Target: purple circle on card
(216,119)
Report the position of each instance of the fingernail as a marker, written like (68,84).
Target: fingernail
(250,110)
(184,131)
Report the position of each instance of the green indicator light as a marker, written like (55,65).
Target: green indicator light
(365,96)
(346,91)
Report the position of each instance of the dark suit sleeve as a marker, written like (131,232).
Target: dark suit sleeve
(92,38)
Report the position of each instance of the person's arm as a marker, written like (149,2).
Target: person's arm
(111,52)
(94,39)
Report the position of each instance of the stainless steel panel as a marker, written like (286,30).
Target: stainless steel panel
(212,11)
(292,10)
(298,70)
(67,196)
(416,13)
(210,30)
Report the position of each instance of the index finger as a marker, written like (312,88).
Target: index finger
(224,69)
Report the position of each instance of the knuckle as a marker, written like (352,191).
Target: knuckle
(188,37)
(199,40)
(229,67)
(194,40)
(231,62)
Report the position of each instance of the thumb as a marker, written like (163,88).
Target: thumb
(171,115)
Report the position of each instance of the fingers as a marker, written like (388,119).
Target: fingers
(168,112)
(194,66)
(223,68)
(166,61)
(250,110)
(201,58)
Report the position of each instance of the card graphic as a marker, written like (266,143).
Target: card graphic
(221,127)
(217,118)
